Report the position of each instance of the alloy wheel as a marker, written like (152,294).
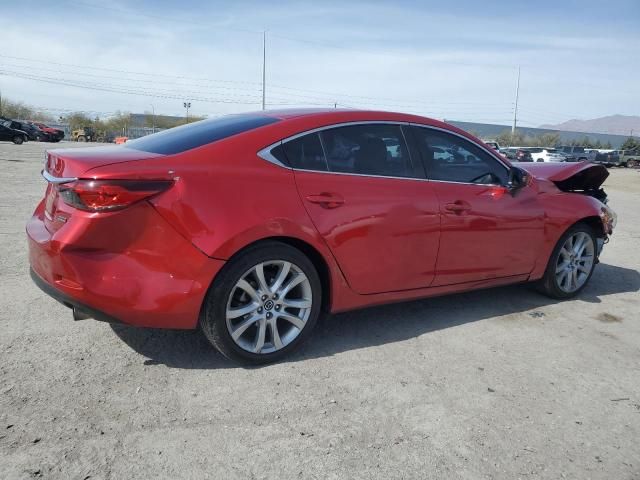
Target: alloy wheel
(269,306)
(575,262)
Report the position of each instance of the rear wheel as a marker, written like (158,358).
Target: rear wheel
(263,304)
(82,138)
(18,140)
(632,163)
(571,264)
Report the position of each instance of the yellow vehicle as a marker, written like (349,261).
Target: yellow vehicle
(84,134)
(88,134)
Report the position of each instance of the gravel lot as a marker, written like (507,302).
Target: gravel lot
(502,383)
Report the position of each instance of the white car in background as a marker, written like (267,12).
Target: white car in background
(492,144)
(541,154)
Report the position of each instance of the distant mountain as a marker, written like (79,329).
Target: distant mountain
(614,124)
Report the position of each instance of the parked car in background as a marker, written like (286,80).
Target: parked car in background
(629,158)
(577,154)
(542,154)
(609,158)
(53,134)
(509,152)
(10,134)
(34,133)
(492,144)
(164,231)
(517,154)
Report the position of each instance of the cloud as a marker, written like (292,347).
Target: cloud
(457,63)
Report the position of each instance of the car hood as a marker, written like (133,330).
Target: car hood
(569,176)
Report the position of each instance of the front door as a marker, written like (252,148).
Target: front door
(486,231)
(359,186)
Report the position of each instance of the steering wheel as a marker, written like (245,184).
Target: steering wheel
(485,177)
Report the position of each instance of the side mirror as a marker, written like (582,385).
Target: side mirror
(518,178)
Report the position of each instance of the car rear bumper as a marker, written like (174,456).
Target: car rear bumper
(71,302)
(129,267)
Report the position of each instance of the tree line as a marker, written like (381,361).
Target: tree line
(121,121)
(549,140)
(116,123)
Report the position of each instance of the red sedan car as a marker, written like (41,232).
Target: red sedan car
(248,226)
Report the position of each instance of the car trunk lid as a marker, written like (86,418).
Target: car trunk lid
(65,166)
(75,162)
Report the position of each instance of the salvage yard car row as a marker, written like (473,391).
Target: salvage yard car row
(20,131)
(607,157)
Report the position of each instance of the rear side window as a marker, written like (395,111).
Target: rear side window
(305,153)
(369,149)
(197,134)
(451,158)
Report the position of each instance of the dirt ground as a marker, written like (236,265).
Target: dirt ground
(499,384)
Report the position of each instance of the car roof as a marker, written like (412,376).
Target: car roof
(340,115)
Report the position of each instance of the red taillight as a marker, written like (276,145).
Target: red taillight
(109,195)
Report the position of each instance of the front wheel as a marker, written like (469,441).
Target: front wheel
(632,163)
(263,304)
(571,264)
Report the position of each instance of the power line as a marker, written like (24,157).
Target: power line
(283,93)
(115,89)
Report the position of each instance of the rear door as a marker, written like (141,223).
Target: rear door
(487,232)
(364,195)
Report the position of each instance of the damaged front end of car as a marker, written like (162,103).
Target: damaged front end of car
(582,178)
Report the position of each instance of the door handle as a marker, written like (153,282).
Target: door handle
(326,200)
(458,207)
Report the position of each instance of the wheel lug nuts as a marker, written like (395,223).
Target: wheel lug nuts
(277,307)
(264,297)
(260,310)
(275,296)
(269,315)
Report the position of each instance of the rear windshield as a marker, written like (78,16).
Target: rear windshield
(197,134)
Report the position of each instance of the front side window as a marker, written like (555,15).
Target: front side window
(368,149)
(450,158)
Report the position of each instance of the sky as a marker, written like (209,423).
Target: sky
(455,60)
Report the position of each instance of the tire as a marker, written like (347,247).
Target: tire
(81,138)
(540,160)
(555,284)
(18,140)
(632,163)
(262,312)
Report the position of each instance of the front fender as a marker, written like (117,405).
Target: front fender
(562,211)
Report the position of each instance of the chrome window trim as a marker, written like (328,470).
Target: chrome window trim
(266,154)
(51,179)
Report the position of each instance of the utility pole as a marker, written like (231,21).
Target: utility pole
(187,105)
(153,118)
(0,103)
(515,110)
(264,67)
